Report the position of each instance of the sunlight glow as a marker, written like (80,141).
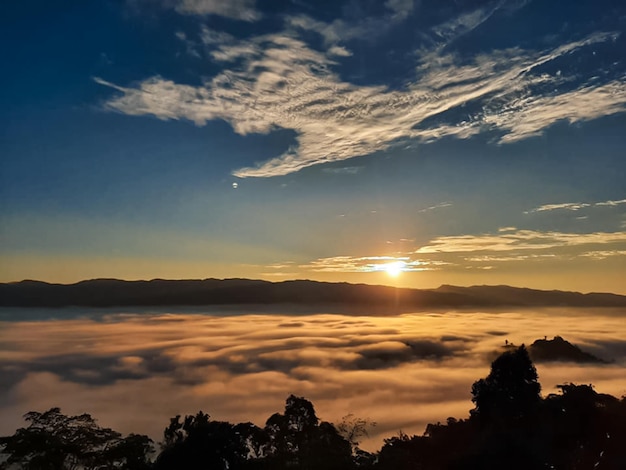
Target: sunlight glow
(395,268)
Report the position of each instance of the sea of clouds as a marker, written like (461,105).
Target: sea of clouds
(133,371)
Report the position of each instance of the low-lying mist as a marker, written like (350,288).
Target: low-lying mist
(133,371)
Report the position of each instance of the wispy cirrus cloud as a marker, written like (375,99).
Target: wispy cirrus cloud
(244,10)
(339,51)
(509,258)
(482,251)
(441,205)
(277,81)
(346,170)
(610,203)
(519,240)
(464,23)
(575,206)
(286,269)
(570,206)
(361,25)
(603,254)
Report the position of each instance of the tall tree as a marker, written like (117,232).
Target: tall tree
(297,439)
(511,390)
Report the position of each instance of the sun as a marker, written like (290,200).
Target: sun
(395,268)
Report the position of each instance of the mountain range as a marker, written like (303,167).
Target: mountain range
(159,292)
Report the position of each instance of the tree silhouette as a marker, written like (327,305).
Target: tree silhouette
(588,429)
(507,415)
(298,440)
(403,452)
(199,443)
(352,429)
(54,441)
(511,390)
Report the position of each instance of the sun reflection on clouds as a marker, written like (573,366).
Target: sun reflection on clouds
(394,268)
(392,265)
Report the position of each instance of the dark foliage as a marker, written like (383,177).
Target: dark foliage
(199,443)
(53,441)
(510,391)
(297,439)
(511,427)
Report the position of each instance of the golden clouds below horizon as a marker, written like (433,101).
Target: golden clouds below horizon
(134,371)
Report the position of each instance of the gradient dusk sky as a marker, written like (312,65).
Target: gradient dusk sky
(400,142)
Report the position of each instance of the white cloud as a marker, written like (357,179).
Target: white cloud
(212,37)
(611,203)
(441,205)
(346,170)
(519,240)
(365,27)
(528,117)
(507,245)
(575,206)
(464,23)
(570,206)
(603,254)
(499,259)
(277,81)
(285,274)
(339,51)
(190,46)
(400,8)
(237,9)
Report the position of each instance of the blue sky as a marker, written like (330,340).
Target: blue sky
(402,142)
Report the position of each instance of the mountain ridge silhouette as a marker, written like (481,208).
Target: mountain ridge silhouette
(239,291)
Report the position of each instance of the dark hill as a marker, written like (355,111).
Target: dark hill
(558,349)
(507,295)
(159,292)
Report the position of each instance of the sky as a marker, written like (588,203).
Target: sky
(410,143)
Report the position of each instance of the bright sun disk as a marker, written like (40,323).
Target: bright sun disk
(395,268)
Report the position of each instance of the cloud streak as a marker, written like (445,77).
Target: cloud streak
(244,10)
(361,26)
(509,244)
(441,205)
(277,81)
(575,206)
(519,240)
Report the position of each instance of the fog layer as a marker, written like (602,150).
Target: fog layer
(135,371)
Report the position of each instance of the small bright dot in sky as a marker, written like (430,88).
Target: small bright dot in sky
(235,185)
